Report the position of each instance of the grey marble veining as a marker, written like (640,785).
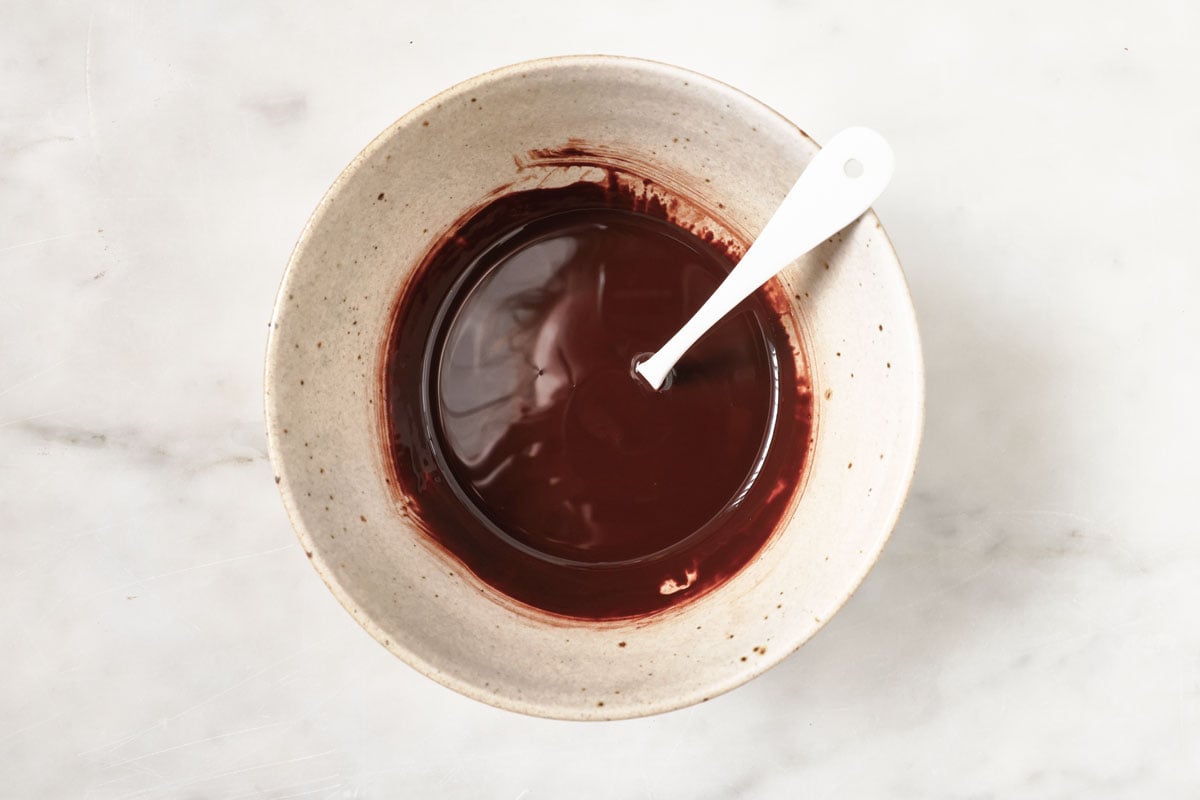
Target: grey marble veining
(1029,632)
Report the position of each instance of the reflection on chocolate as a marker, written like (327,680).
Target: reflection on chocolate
(528,449)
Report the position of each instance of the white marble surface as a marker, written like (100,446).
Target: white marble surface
(1030,632)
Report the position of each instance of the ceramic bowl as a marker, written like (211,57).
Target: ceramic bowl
(847,301)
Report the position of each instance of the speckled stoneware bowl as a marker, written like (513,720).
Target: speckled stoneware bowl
(732,159)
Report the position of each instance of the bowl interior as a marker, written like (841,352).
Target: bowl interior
(854,320)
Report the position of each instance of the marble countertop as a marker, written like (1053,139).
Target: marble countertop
(1031,631)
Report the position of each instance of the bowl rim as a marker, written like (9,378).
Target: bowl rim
(307,542)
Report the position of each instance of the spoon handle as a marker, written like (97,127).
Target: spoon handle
(836,187)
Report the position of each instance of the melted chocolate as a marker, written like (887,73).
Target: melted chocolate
(526,447)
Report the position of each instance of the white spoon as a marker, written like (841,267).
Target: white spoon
(836,187)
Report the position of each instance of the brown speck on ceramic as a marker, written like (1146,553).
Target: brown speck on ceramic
(381,196)
(362,518)
(828,394)
(308,553)
(278,479)
(850,465)
(620,644)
